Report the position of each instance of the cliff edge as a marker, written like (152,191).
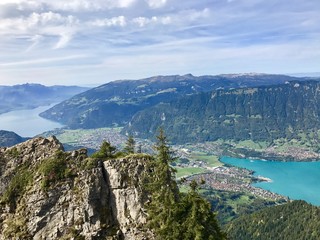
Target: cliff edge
(47,193)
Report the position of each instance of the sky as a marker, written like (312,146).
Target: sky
(91,42)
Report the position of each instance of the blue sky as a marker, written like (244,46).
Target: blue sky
(96,41)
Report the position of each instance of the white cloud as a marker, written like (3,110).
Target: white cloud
(195,34)
(143,21)
(34,22)
(156,3)
(35,41)
(41,24)
(67,5)
(194,15)
(109,22)
(63,41)
(71,5)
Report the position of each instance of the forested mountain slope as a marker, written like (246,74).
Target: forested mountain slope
(116,102)
(259,114)
(297,220)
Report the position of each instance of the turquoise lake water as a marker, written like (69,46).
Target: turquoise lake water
(27,123)
(297,180)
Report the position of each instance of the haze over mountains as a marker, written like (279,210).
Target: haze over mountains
(28,96)
(115,103)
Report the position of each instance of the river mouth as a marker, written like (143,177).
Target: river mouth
(27,123)
(296,180)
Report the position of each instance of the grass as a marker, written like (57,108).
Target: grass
(188,171)
(252,145)
(211,160)
(184,188)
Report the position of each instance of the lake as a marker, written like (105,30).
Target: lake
(297,180)
(27,123)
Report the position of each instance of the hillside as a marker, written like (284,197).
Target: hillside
(8,139)
(27,96)
(267,113)
(46,193)
(114,103)
(297,220)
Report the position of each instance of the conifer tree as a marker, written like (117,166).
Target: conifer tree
(130,145)
(163,189)
(106,151)
(174,216)
(197,221)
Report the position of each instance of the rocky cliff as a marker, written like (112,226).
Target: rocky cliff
(47,193)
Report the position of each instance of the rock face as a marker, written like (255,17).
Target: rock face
(66,195)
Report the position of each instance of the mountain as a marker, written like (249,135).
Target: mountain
(259,114)
(8,139)
(296,220)
(116,102)
(27,96)
(47,193)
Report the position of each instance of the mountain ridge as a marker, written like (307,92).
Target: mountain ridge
(114,103)
(32,95)
(259,113)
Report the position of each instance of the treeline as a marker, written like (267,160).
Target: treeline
(296,220)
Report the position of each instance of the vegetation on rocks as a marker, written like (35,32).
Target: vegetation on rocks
(54,169)
(17,186)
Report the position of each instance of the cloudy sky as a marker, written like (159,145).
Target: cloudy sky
(95,41)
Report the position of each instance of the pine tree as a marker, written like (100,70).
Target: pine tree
(106,151)
(163,189)
(174,216)
(130,145)
(197,221)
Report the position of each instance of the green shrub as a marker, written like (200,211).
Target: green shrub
(89,163)
(54,169)
(13,152)
(17,186)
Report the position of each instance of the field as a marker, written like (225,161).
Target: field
(210,160)
(187,171)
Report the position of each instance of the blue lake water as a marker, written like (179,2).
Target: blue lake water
(297,180)
(27,123)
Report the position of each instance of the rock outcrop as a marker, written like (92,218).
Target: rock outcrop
(50,194)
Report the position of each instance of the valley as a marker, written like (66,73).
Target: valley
(204,124)
(199,161)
